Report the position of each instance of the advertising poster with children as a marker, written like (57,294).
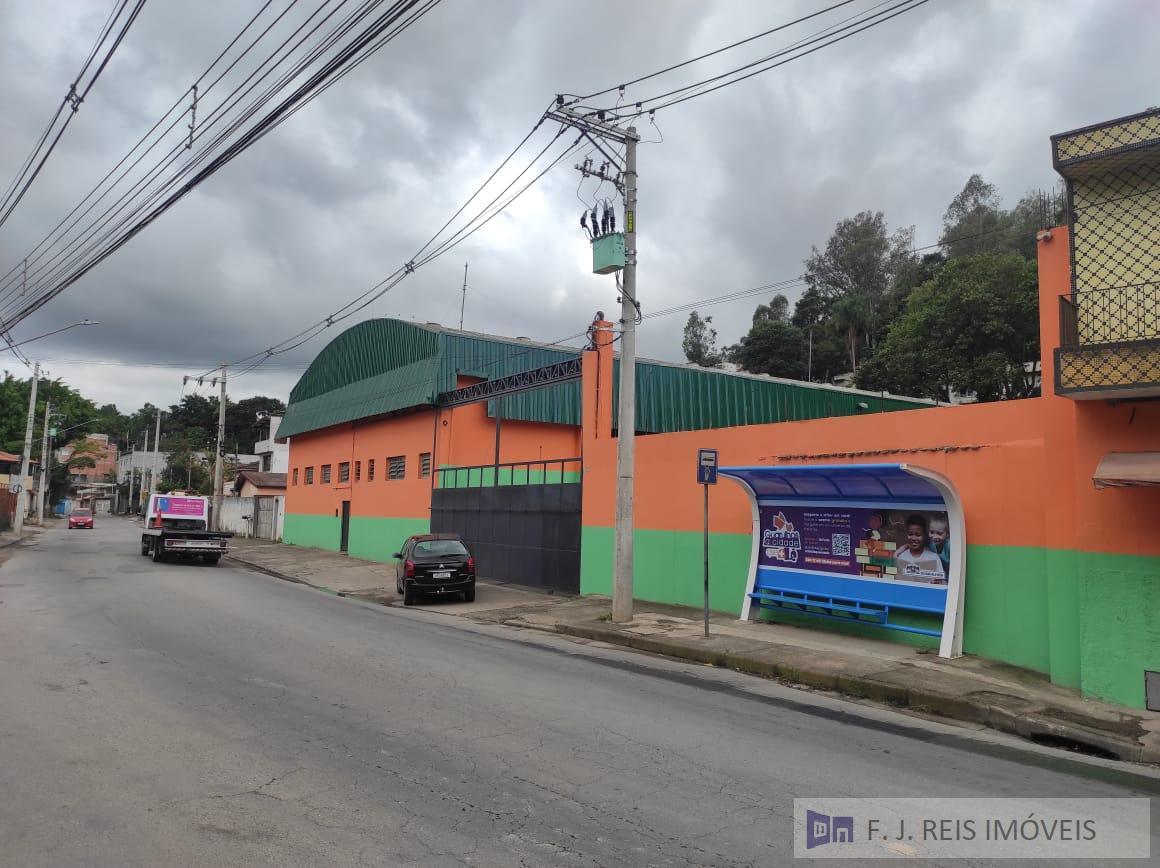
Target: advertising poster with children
(888,545)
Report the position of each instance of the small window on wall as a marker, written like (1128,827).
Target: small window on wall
(357,471)
(344,471)
(397,467)
(325,474)
(309,475)
(294,481)
(370,470)
(424,464)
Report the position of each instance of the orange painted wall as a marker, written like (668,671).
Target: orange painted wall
(1022,468)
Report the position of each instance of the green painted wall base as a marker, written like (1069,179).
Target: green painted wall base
(1087,620)
(374,539)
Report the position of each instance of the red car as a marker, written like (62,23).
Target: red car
(81,518)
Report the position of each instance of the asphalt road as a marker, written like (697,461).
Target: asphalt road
(190,715)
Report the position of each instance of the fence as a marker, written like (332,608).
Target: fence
(7,509)
(253,517)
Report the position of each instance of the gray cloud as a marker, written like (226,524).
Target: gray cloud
(340,196)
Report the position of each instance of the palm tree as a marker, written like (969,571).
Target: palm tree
(851,316)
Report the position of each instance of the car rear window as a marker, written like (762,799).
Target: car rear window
(82,513)
(440,547)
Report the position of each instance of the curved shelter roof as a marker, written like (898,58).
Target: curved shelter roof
(385,366)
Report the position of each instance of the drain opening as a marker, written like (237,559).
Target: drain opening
(1070,744)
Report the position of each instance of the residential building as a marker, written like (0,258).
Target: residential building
(1110,317)
(257,483)
(274,456)
(97,447)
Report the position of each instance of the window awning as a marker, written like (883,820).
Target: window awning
(837,482)
(1121,469)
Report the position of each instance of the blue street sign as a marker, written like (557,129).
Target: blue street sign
(707,466)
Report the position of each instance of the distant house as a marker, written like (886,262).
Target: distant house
(97,447)
(258,483)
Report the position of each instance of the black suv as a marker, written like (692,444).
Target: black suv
(434,563)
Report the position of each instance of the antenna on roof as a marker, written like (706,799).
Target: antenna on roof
(463,303)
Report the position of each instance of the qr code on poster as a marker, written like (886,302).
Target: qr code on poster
(840,544)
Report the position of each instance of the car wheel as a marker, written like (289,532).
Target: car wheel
(398,585)
(157,551)
(410,595)
(469,594)
(212,560)
(144,547)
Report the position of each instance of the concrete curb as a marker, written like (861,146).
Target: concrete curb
(1029,725)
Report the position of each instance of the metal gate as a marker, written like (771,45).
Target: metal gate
(521,521)
(265,517)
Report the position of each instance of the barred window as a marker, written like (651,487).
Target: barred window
(370,470)
(295,481)
(424,464)
(357,471)
(309,475)
(397,467)
(325,474)
(344,471)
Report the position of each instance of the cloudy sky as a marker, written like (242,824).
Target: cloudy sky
(342,194)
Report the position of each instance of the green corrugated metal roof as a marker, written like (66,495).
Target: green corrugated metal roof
(672,397)
(385,365)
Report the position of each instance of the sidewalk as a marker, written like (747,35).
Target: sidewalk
(370,580)
(970,689)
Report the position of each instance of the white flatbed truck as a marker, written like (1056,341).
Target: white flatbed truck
(177,528)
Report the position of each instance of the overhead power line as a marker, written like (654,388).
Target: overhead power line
(828,36)
(76,95)
(348,44)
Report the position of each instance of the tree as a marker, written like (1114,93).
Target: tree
(972,219)
(860,261)
(771,347)
(972,327)
(777,310)
(700,341)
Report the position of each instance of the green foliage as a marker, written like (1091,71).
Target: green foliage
(971,327)
(772,347)
(700,341)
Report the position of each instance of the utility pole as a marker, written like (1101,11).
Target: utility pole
(594,126)
(156,450)
(43,465)
(626,424)
(463,302)
(129,503)
(218,468)
(141,493)
(22,495)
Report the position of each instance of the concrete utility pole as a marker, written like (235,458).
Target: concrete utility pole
(22,495)
(626,420)
(592,126)
(43,465)
(141,493)
(156,450)
(218,466)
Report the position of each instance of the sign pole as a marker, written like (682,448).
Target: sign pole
(706,487)
(706,475)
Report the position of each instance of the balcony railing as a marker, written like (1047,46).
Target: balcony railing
(1117,315)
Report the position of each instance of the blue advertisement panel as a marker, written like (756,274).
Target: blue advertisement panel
(886,545)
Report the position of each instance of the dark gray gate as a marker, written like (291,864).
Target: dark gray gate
(526,530)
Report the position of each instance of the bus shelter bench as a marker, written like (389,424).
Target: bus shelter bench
(868,608)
